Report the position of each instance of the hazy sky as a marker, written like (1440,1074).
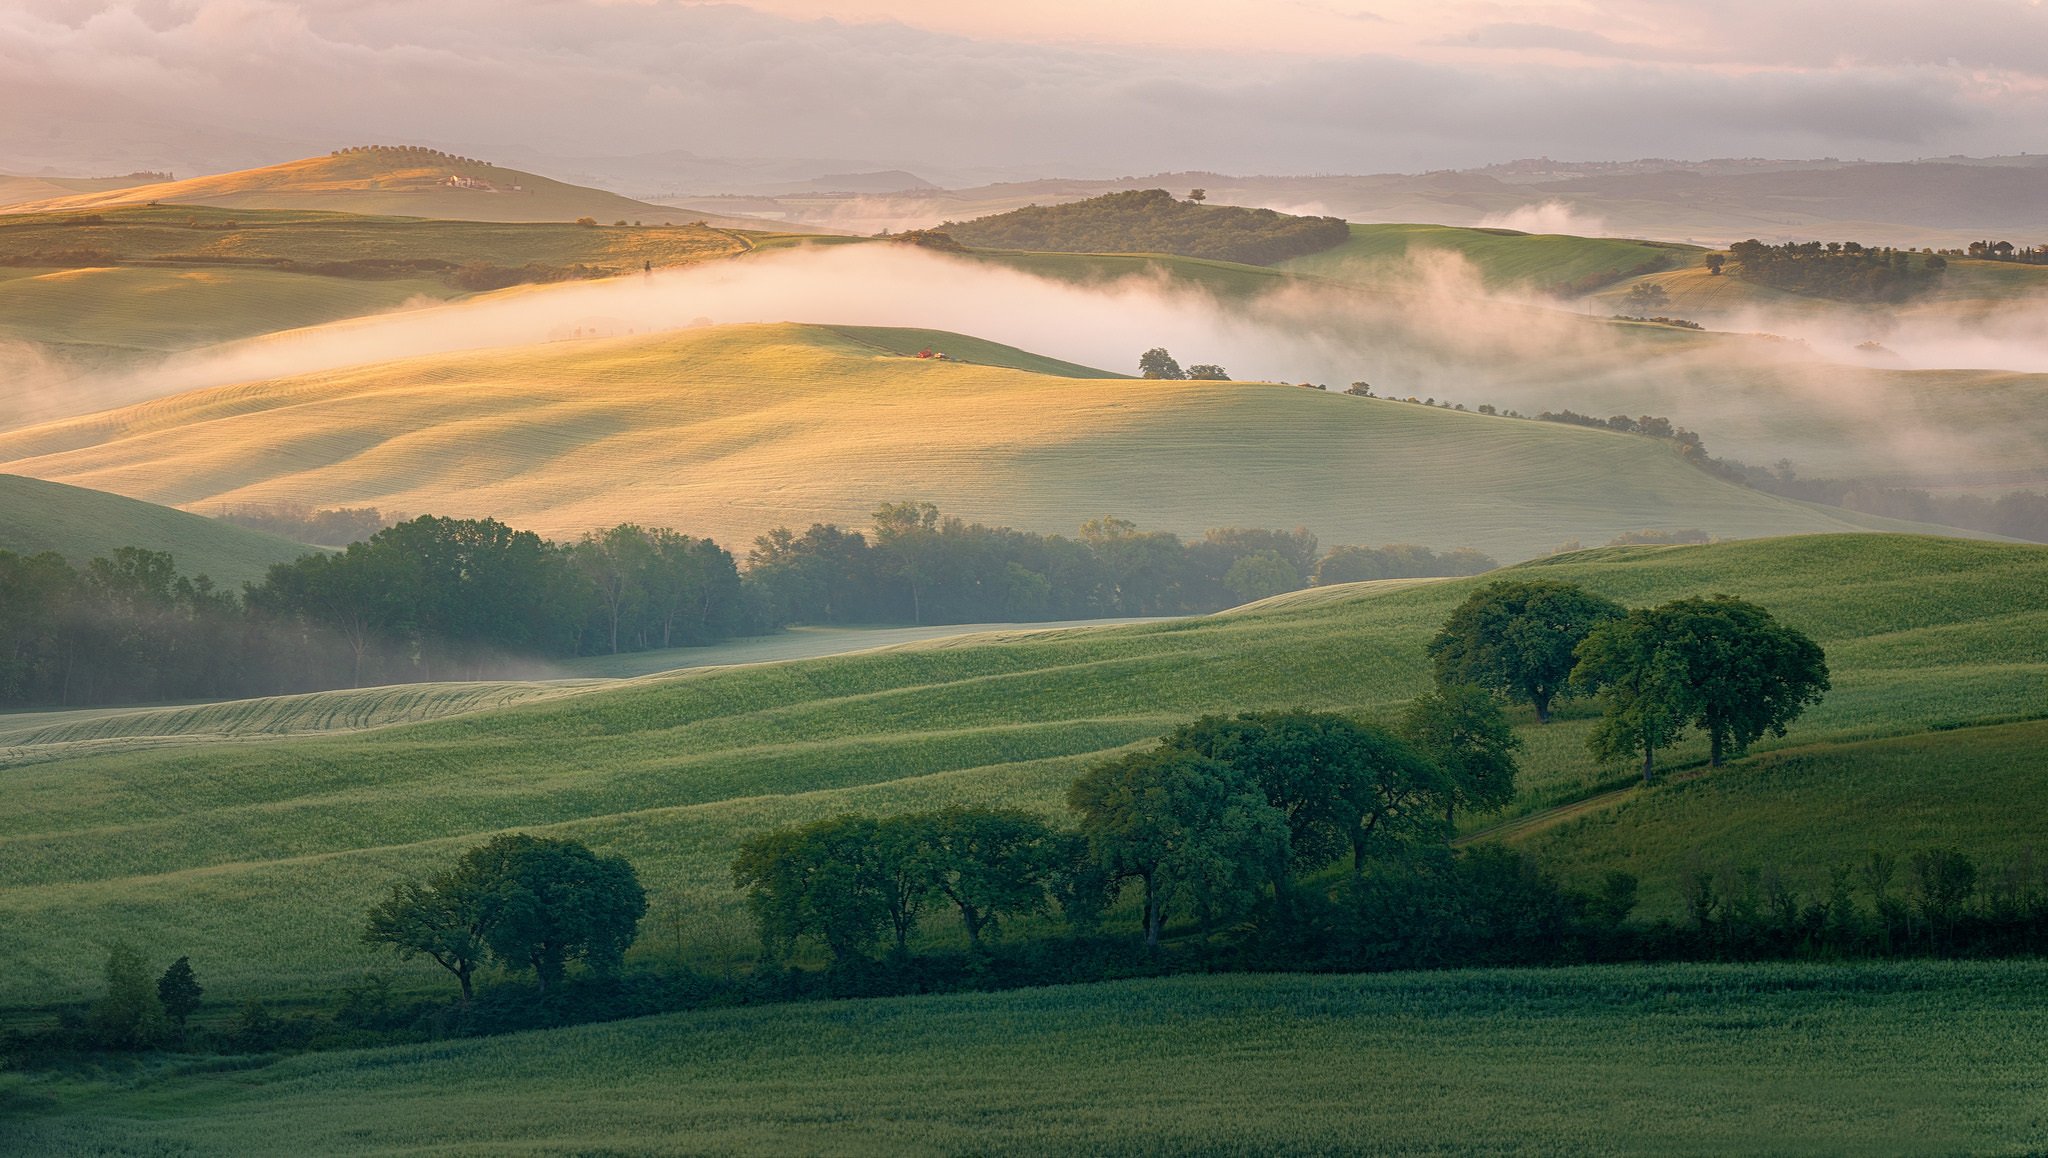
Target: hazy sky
(1080,87)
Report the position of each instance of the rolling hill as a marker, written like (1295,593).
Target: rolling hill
(257,857)
(730,431)
(80,524)
(1503,258)
(396,181)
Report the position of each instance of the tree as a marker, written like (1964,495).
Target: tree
(441,919)
(1157,363)
(178,991)
(1644,298)
(1194,832)
(992,863)
(1720,664)
(1261,574)
(1461,729)
(1516,637)
(129,1015)
(611,562)
(1208,372)
(825,880)
(1198,195)
(546,902)
(1714,263)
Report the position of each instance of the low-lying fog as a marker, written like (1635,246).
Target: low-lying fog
(1816,400)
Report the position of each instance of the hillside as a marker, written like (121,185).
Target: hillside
(1153,221)
(79,524)
(258,857)
(402,181)
(730,431)
(20,190)
(1503,258)
(1920,1057)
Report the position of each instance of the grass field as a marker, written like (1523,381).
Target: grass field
(80,524)
(730,431)
(386,182)
(258,858)
(1504,258)
(1897,1059)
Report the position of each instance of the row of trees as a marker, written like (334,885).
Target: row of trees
(916,565)
(1844,270)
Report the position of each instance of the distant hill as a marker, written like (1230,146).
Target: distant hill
(400,181)
(1554,263)
(730,431)
(1154,221)
(80,524)
(17,190)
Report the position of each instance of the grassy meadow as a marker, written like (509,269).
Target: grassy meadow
(1503,258)
(79,524)
(1913,1058)
(259,857)
(730,431)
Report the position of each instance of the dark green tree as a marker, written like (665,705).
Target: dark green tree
(547,902)
(826,880)
(992,864)
(129,1014)
(1207,372)
(1196,833)
(1157,363)
(178,991)
(441,919)
(1461,729)
(1644,697)
(1517,637)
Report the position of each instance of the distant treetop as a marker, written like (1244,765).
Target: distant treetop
(1155,221)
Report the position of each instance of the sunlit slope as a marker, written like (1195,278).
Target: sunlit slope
(258,858)
(393,182)
(1503,258)
(20,190)
(732,431)
(1898,1058)
(80,524)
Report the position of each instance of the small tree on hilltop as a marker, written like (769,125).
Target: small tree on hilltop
(1208,372)
(1157,363)
(1198,195)
(1516,637)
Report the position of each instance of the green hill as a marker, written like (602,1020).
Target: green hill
(1503,258)
(389,181)
(1153,221)
(80,524)
(258,857)
(731,431)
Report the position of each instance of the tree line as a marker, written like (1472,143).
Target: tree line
(1843,270)
(438,598)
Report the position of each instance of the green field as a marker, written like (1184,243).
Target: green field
(1895,1059)
(79,524)
(1503,258)
(731,431)
(257,858)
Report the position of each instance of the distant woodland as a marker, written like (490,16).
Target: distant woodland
(1154,221)
(1842,270)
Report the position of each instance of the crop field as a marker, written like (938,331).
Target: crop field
(80,524)
(731,431)
(1503,258)
(1911,1058)
(1804,811)
(384,183)
(258,858)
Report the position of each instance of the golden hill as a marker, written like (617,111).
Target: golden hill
(730,431)
(394,181)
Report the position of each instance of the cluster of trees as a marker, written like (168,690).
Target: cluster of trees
(1843,270)
(1154,221)
(138,1010)
(1224,815)
(301,523)
(1157,364)
(917,565)
(428,598)
(1988,250)
(1719,664)
(2015,514)
(528,903)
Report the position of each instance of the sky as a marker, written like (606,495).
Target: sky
(964,89)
